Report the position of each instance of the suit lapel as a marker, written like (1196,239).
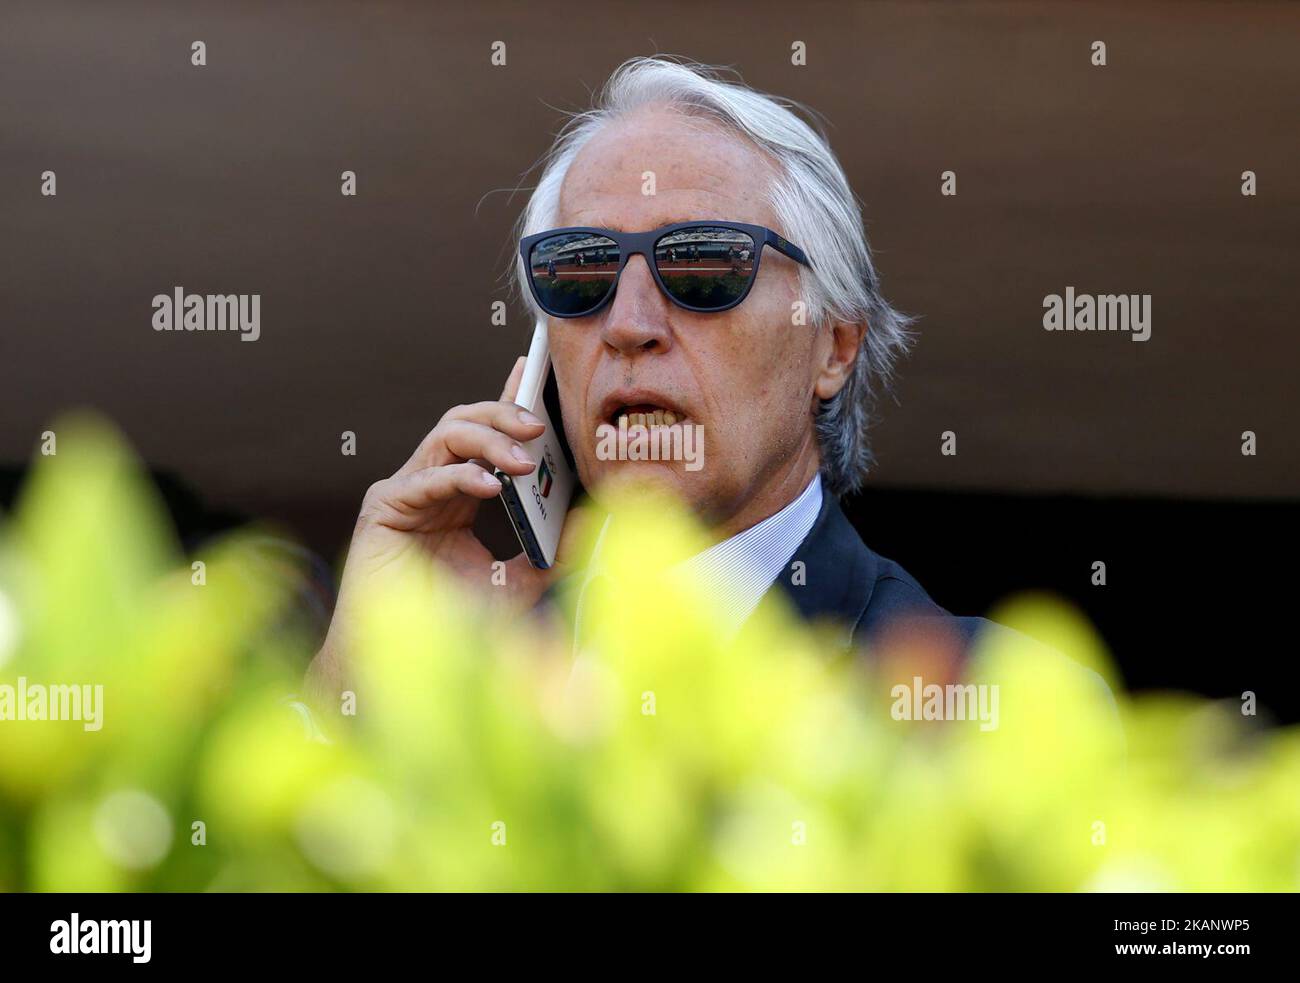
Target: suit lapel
(838,572)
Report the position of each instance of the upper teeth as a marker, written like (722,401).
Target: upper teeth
(659,418)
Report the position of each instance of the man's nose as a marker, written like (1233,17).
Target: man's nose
(637,317)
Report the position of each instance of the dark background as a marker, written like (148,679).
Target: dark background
(1071,448)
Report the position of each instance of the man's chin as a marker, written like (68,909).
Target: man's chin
(661,478)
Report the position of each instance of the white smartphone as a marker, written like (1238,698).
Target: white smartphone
(538,503)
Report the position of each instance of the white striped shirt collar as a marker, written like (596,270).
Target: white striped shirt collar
(738,571)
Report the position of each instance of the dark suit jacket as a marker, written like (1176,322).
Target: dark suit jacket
(864,592)
(847,583)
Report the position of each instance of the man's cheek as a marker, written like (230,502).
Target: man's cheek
(725,443)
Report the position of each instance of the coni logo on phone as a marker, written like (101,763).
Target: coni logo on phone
(543,481)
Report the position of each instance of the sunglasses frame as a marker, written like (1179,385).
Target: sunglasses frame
(643,244)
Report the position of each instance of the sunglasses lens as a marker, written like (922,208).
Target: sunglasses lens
(573,272)
(707,267)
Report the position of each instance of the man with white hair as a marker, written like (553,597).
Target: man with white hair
(777,356)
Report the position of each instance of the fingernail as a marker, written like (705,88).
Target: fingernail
(490,480)
(528,418)
(520,455)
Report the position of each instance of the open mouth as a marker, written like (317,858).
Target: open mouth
(646,415)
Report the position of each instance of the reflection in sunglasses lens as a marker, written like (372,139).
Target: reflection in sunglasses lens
(573,272)
(706,266)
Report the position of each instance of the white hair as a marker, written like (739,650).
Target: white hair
(814,205)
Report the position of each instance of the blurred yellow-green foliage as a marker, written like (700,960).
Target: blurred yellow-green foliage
(483,756)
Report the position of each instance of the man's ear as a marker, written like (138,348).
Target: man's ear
(840,355)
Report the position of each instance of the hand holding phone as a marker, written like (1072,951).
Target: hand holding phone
(428,506)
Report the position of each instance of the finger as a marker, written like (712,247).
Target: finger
(505,417)
(420,490)
(512,383)
(466,441)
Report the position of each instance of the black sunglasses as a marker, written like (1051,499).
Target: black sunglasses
(701,266)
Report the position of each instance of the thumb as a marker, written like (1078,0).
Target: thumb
(516,376)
